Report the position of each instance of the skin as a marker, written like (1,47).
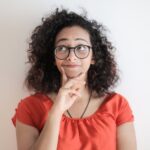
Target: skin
(71,36)
(73,83)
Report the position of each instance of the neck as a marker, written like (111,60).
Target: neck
(85,93)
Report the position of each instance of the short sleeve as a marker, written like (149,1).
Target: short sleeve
(23,114)
(124,112)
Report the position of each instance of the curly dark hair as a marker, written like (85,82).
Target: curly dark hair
(43,76)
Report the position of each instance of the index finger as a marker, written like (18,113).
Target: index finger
(64,77)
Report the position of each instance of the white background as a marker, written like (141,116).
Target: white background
(128,22)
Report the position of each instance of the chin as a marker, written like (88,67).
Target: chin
(73,75)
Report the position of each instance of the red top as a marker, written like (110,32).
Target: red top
(95,132)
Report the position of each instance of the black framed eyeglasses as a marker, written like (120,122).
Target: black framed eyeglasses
(80,51)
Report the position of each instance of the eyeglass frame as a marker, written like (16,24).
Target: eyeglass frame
(73,48)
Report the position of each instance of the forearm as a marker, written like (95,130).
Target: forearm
(48,138)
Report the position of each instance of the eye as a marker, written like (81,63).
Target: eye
(82,48)
(61,48)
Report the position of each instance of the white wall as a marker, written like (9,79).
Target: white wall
(128,22)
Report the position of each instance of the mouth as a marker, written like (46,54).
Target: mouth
(71,66)
(72,70)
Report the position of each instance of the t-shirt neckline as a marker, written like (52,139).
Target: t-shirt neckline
(107,98)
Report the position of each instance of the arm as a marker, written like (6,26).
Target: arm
(28,137)
(126,139)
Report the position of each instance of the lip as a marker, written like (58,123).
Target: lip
(71,66)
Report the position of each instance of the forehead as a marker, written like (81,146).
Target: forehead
(73,33)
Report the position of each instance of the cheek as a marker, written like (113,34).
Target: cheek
(58,64)
(86,65)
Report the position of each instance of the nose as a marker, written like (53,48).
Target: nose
(71,56)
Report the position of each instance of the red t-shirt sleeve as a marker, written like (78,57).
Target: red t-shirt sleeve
(124,112)
(33,110)
(23,114)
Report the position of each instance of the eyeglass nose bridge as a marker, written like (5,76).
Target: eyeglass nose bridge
(73,49)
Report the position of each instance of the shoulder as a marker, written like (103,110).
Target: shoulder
(116,100)
(36,100)
(34,97)
(37,104)
(118,107)
(32,110)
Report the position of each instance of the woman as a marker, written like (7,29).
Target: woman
(72,74)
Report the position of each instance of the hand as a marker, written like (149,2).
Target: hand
(69,92)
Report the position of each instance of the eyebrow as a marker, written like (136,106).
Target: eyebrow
(77,39)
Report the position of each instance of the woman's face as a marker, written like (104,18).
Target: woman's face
(72,37)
